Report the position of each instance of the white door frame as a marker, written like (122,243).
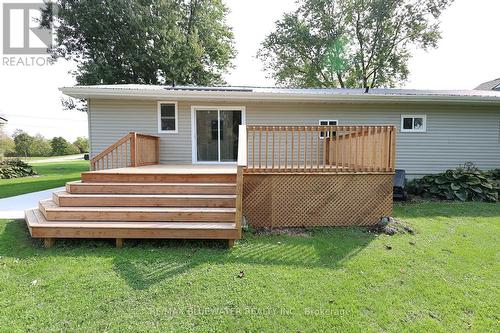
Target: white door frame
(194,144)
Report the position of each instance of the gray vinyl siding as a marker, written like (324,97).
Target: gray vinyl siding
(455,134)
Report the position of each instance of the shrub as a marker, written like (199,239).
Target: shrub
(465,183)
(15,169)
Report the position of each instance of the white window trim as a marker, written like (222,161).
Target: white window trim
(422,130)
(194,146)
(158,110)
(327,120)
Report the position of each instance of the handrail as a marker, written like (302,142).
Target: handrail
(320,148)
(134,149)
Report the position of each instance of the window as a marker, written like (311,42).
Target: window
(167,117)
(327,123)
(413,123)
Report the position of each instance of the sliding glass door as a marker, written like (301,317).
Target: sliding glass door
(217,134)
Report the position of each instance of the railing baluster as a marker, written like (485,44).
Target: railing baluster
(317,148)
(253,148)
(279,147)
(326,138)
(305,148)
(274,130)
(332,148)
(298,148)
(286,147)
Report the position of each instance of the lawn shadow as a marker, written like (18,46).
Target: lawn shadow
(143,263)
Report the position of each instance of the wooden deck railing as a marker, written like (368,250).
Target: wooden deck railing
(320,148)
(134,149)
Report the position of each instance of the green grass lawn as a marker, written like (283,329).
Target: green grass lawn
(444,278)
(50,175)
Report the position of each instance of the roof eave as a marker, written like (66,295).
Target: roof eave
(89,93)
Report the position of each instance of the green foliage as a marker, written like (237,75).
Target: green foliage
(350,43)
(15,169)
(7,146)
(23,142)
(144,42)
(82,144)
(60,146)
(40,147)
(464,184)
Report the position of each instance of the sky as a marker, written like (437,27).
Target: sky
(467,54)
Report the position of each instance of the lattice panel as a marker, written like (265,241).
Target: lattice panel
(307,200)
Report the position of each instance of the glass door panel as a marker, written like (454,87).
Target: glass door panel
(207,129)
(229,122)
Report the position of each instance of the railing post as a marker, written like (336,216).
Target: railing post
(157,148)
(393,149)
(133,149)
(242,163)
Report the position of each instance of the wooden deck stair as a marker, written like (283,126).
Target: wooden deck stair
(121,205)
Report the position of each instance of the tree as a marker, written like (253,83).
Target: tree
(40,147)
(350,43)
(59,146)
(82,144)
(22,141)
(7,146)
(144,42)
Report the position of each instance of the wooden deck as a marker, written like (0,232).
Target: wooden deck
(285,176)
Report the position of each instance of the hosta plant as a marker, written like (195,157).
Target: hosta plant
(15,169)
(466,183)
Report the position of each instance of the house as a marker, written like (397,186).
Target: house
(489,85)
(191,162)
(3,121)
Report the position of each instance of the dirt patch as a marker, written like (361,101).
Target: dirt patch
(391,226)
(300,232)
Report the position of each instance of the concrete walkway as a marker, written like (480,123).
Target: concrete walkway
(13,207)
(59,159)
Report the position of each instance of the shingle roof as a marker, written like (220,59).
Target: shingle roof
(490,85)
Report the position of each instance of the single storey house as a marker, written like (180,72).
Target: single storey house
(489,85)
(200,162)
(436,130)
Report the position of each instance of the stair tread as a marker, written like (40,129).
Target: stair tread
(34,218)
(140,195)
(50,205)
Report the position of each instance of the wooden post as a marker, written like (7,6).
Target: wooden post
(119,243)
(157,148)
(48,242)
(133,149)
(230,243)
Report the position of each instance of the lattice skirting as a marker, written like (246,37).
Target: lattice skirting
(307,200)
